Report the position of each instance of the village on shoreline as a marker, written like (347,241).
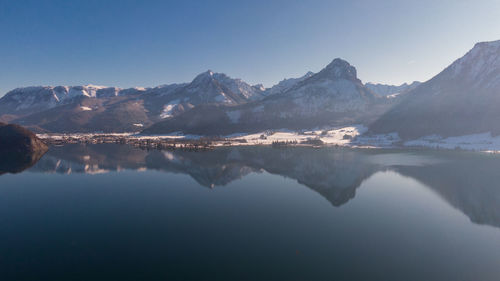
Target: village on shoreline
(314,138)
(349,137)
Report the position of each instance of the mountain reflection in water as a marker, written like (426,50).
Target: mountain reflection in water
(467,181)
(17,162)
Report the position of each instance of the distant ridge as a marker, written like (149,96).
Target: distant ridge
(392,90)
(109,109)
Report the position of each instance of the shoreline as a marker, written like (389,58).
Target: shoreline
(288,139)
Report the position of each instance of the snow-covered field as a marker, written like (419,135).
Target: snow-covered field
(330,136)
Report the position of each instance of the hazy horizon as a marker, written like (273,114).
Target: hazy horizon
(126,44)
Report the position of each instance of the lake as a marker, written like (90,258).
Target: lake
(114,212)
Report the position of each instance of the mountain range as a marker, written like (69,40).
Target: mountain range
(332,97)
(109,109)
(212,103)
(460,100)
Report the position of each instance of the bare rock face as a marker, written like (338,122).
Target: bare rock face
(19,148)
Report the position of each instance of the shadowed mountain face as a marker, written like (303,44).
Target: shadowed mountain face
(463,99)
(467,181)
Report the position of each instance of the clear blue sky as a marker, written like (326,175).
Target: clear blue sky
(146,43)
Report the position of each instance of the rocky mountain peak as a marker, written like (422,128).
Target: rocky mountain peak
(203,77)
(487,44)
(339,69)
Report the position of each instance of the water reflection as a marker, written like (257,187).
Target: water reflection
(17,162)
(467,181)
(334,173)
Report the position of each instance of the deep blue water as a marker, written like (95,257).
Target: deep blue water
(110,212)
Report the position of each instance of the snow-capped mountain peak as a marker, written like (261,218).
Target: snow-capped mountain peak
(480,65)
(339,69)
(45,97)
(218,87)
(335,88)
(203,77)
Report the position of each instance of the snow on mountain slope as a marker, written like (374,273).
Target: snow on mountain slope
(461,100)
(391,90)
(286,84)
(77,107)
(238,87)
(334,96)
(35,99)
(210,87)
(335,89)
(480,66)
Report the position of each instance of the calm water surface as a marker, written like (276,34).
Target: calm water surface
(111,212)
